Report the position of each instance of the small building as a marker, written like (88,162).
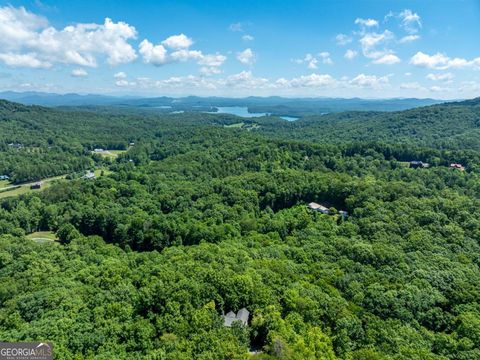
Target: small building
(418,165)
(320,208)
(4,177)
(89,176)
(99,150)
(131,144)
(36,185)
(457,166)
(242,316)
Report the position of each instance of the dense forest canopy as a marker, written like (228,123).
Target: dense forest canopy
(197,217)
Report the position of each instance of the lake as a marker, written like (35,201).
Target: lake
(243,112)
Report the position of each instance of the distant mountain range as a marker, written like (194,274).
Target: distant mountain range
(51,99)
(274,104)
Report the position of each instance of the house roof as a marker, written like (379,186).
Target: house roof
(243,315)
(231,317)
(316,206)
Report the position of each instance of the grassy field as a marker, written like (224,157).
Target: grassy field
(25,188)
(46,183)
(237,125)
(14,192)
(110,153)
(118,152)
(42,236)
(98,172)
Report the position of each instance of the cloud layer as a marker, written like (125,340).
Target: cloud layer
(385,53)
(28,40)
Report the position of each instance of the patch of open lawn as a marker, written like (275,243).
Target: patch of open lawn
(237,125)
(98,172)
(110,153)
(42,236)
(14,191)
(4,183)
(25,188)
(117,152)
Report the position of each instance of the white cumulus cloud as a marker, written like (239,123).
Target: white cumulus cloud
(29,60)
(410,21)
(153,54)
(25,35)
(312,80)
(79,73)
(366,22)
(440,61)
(246,57)
(370,81)
(343,39)
(387,59)
(412,86)
(313,60)
(120,75)
(350,54)
(212,60)
(370,43)
(326,59)
(175,49)
(408,39)
(177,42)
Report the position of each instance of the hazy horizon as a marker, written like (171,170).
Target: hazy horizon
(146,96)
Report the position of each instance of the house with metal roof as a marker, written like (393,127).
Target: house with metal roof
(419,164)
(457,166)
(89,176)
(242,316)
(320,208)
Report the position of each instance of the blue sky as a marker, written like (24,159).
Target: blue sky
(373,49)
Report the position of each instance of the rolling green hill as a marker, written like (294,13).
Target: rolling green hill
(199,218)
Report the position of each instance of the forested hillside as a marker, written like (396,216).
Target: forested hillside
(199,217)
(445,126)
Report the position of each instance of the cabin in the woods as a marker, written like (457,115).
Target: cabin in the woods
(36,185)
(4,177)
(325,210)
(320,208)
(418,165)
(242,316)
(89,176)
(99,150)
(457,167)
